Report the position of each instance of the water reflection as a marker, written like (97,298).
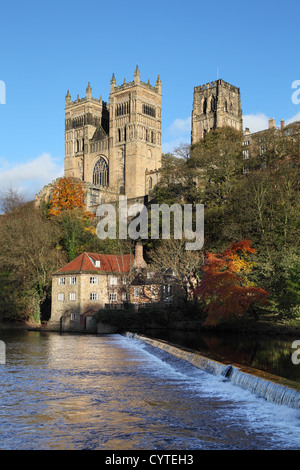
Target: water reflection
(272,355)
(109,393)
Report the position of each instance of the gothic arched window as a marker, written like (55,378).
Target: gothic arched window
(212,104)
(100,173)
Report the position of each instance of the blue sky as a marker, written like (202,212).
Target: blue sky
(47,48)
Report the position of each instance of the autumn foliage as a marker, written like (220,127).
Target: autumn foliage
(68,194)
(225,288)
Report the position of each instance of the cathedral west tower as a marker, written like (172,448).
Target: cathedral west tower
(113,146)
(134,133)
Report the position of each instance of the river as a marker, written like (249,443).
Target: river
(271,354)
(75,392)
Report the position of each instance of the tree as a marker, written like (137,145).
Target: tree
(267,148)
(170,259)
(225,288)
(291,137)
(178,181)
(265,207)
(67,207)
(11,200)
(29,254)
(67,194)
(183,151)
(219,160)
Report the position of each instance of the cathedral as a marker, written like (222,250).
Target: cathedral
(114,147)
(216,104)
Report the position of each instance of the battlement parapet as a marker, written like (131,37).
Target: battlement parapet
(214,84)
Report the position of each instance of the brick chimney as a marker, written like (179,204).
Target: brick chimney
(139,261)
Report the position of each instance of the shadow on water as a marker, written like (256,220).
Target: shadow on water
(271,355)
(108,392)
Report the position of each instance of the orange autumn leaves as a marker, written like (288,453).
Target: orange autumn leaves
(225,287)
(68,194)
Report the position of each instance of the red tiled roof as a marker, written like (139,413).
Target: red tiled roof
(108,263)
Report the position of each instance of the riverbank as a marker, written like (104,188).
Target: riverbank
(282,328)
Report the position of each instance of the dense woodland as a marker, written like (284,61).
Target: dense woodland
(249,266)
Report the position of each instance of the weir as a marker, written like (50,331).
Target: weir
(272,388)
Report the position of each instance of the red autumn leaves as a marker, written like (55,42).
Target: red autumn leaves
(225,288)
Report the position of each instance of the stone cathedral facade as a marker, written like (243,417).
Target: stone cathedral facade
(115,146)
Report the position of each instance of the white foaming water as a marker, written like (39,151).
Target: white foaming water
(261,416)
(111,392)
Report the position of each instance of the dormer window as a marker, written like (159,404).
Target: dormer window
(95,262)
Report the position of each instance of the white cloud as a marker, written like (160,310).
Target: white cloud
(169,147)
(293,119)
(259,122)
(256,122)
(180,127)
(178,132)
(30,177)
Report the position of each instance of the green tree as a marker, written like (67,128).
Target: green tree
(219,160)
(265,208)
(178,182)
(29,254)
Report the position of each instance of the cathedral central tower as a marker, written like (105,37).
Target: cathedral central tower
(216,104)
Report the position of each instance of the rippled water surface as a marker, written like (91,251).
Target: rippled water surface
(112,393)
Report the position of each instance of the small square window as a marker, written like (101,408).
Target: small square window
(72,295)
(73,280)
(113,297)
(93,296)
(113,280)
(61,281)
(61,296)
